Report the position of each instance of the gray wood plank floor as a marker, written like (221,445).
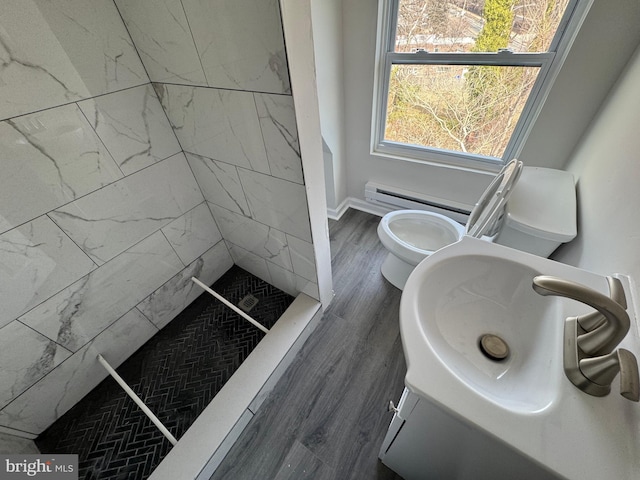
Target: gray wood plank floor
(327,416)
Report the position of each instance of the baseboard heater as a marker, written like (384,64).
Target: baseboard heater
(399,198)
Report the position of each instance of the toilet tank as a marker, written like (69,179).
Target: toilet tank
(541,212)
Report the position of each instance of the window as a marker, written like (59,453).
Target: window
(462,81)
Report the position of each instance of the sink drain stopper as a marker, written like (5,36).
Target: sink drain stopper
(493,347)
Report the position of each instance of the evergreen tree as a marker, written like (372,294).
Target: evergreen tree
(498,16)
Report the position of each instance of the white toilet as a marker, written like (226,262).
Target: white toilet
(540,215)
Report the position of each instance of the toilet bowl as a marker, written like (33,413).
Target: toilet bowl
(411,236)
(544,217)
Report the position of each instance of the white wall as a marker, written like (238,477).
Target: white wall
(607,165)
(610,32)
(298,33)
(603,46)
(328,42)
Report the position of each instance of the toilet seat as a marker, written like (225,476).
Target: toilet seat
(485,216)
(412,235)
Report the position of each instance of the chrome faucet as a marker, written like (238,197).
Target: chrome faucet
(590,361)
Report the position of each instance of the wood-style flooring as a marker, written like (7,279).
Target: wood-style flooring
(327,416)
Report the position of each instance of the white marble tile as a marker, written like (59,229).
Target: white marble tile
(49,159)
(241,44)
(174,296)
(95,38)
(56,51)
(193,233)
(81,311)
(25,356)
(162,36)
(36,71)
(291,283)
(36,260)
(249,261)
(112,219)
(219,183)
(278,122)
(308,288)
(303,258)
(278,203)
(218,124)
(13,444)
(133,127)
(282,279)
(46,401)
(257,238)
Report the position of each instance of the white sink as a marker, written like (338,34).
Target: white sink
(466,297)
(473,288)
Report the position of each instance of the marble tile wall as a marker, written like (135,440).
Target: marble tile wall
(58,51)
(115,191)
(102,222)
(231,44)
(219,69)
(12,444)
(243,150)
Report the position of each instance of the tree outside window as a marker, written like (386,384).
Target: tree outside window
(464,76)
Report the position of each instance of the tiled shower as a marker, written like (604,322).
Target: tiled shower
(141,143)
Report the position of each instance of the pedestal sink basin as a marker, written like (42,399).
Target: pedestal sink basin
(472,298)
(512,389)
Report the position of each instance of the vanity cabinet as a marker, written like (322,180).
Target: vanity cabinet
(426,441)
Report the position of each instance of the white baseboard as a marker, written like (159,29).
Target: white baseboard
(336,213)
(358,204)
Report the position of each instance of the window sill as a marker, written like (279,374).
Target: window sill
(468,163)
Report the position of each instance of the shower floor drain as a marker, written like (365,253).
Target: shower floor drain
(247,303)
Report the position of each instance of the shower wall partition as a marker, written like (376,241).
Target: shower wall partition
(141,144)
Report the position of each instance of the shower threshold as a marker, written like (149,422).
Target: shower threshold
(203,447)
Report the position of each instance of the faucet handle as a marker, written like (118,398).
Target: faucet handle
(606,337)
(629,380)
(593,320)
(602,370)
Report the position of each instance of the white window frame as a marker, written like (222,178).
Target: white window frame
(549,62)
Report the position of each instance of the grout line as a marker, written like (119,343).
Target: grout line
(72,354)
(92,192)
(195,45)
(169,242)
(40,110)
(10,431)
(100,138)
(133,44)
(264,143)
(157,329)
(259,222)
(64,232)
(240,166)
(188,85)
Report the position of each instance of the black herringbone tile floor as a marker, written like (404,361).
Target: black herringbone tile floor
(177,373)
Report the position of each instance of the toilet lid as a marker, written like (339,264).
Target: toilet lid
(492,201)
